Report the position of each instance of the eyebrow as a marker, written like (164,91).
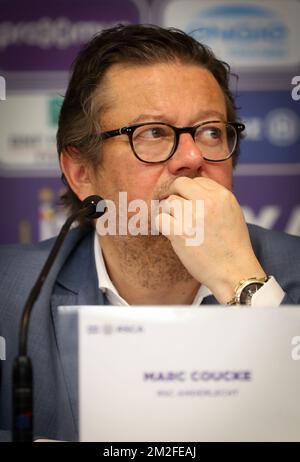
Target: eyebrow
(164,118)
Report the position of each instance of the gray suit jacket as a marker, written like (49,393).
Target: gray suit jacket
(73,281)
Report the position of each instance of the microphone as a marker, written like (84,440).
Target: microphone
(22,419)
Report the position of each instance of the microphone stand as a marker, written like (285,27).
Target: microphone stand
(22,419)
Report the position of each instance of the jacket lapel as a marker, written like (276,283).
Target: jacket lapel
(210,300)
(77,284)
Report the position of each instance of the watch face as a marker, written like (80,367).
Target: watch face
(248,292)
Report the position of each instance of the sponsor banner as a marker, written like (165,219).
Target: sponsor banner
(28,133)
(29,209)
(29,124)
(246,33)
(48,35)
(270,201)
(31,213)
(272,121)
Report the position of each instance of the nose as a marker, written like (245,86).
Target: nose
(188,157)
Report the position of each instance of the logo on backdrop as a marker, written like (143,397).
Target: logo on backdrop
(272,127)
(282,127)
(109,329)
(59,30)
(243,34)
(279,127)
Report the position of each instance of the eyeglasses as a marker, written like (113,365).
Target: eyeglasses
(155,142)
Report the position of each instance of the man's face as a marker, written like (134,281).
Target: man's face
(177,94)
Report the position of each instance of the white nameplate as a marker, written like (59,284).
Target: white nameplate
(189,374)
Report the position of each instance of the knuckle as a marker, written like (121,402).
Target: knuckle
(225,194)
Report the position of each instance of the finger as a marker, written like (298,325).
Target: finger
(192,188)
(173,205)
(207,183)
(165,223)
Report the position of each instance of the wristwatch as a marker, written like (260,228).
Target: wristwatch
(245,290)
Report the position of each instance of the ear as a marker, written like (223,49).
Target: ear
(77,174)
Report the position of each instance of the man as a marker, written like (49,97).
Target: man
(148,111)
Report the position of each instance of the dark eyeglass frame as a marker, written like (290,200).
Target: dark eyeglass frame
(129,131)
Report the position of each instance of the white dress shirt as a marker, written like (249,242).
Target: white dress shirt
(270,294)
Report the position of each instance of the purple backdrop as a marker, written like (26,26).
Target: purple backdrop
(40,36)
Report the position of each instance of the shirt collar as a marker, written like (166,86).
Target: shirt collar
(104,281)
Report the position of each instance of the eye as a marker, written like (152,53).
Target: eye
(210,134)
(155,132)
(152,132)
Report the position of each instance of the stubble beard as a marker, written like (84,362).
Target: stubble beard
(150,261)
